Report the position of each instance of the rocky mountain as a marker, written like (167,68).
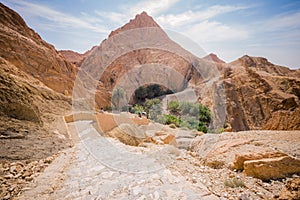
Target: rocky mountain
(142,20)
(256,93)
(261,95)
(75,57)
(33,79)
(213,58)
(26,50)
(125,54)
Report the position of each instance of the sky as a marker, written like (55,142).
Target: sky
(228,28)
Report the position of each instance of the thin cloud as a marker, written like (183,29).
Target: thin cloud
(153,7)
(214,31)
(126,12)
(280,30)
(57,19)
(283,21)
(196,16)
(115,17)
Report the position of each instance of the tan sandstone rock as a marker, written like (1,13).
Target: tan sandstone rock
(291,191)
(241,159)
(128,134)
(272,168)
(169,139)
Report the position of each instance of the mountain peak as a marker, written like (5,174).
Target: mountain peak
(142,20)
(213,58)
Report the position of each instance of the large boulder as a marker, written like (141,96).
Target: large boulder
(128,134)
(272,168)
(240,159)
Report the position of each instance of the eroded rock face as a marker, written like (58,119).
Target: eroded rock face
(261,95)
(140,53)
(28,114)
(148,66)
(258,94)
(25,49)
(150,63)
(15,99)
(31,75)
(75,57)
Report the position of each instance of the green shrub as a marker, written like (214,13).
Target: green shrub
(108,108)
(137,109)
(185,108)
(173,107)
(192,115)
(153,107)
(193,123)
(196,110)
(220,130)
(202,127)
(204,114)
(189,122)
(171,119)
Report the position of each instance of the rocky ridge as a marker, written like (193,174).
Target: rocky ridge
(26,50)
(142,20)
(257,93)
(261,95)
(74,57)
(213,58)
(33,81)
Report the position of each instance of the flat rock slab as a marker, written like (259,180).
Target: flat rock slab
(240,159)
(272,168)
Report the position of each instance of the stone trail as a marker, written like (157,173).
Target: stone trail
(103,168)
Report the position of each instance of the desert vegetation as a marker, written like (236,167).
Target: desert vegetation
(181,114)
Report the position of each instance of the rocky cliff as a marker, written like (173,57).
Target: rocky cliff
(32,77)
(144,53)
(131,53)
(75,57)
(261,95)
(256,93)
(26,50)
